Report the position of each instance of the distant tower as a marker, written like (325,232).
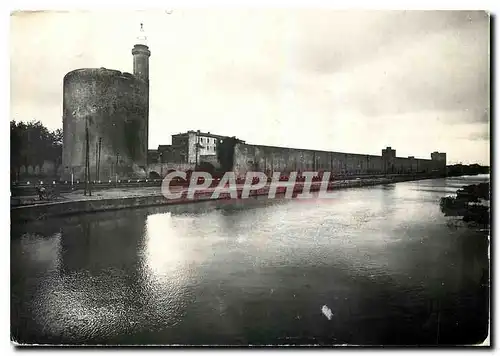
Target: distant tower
(141,55)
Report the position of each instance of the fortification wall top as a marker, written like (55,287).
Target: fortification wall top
(102,73)
(277,149)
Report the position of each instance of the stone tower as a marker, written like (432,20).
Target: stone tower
(113,106)
(141,55)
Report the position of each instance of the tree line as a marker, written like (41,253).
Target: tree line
(457,170)
(31,144)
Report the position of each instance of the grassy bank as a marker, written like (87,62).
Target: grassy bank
(471,203)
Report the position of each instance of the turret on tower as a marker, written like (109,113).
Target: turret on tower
(141,55)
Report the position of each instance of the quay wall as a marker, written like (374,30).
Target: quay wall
(47,210)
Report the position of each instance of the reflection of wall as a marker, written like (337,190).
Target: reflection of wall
(106,240)
(37,253)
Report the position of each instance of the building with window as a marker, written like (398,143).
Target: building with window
(190,147)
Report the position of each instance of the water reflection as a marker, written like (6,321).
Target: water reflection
(255,271)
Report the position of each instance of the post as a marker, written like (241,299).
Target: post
(345,166)
(87,175)
(161,165)
(116,168)
(197,148)
(96,150)
(99,160)
(86,158)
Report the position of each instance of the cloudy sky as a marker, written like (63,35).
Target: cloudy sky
(346,81)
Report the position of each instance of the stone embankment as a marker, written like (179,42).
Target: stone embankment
(121,198)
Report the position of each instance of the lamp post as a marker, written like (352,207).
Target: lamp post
(87,160)
(66,168)
(98,163)
(345,166)
(86,115)
(197,149)
(96,154)
(161,165)
(116,168)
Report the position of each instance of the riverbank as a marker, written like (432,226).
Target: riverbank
(122,198)
(381,258)
(472,203)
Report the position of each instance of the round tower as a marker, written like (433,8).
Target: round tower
(113,106)
(108,111)
(141,55)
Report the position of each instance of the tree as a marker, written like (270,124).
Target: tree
(31,144)
(16,158)
(56,138)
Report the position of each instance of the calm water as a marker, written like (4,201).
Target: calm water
(384,259)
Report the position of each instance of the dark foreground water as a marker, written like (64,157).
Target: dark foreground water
(384,259)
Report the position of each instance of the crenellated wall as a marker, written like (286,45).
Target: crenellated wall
(269,159)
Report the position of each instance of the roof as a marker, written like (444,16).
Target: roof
(204,134)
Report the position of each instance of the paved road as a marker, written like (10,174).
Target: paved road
(117,193)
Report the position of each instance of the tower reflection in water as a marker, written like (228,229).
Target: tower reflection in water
(91,278)
(383,259)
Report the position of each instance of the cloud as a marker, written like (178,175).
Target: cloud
(335,40)
(479,136)
(338,80)
(446,70)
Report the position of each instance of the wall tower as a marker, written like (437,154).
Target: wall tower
(114,106)
(141,54)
